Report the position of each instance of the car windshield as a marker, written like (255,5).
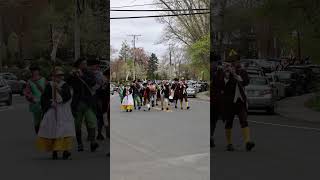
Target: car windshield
(258,81)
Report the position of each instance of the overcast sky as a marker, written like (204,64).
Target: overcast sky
(149,29)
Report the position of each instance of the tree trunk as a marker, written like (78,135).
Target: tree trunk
(76,33)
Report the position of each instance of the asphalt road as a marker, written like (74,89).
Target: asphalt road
(160,145)
(285,149)
(20,159)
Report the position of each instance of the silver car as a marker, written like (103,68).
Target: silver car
(260,94)
(191,92)
(5,92)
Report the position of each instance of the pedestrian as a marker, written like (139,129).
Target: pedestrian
(57,128)
(34,89)
(83,103)
(217,101)
(165,93)
(128,103)
(174,92)
(94,67)
(235,103)
(147,95)
(184,95)
(136,94)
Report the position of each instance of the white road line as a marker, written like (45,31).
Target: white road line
(288,126)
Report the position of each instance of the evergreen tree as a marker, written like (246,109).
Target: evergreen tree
(152,66)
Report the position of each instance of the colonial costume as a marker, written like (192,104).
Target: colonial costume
(165,93)
(33,91)
(98,88)
(84,103)
(136,95)
(57,128)
(235,103)
(127,102)
(147,96)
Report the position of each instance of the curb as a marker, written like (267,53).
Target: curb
(294,118)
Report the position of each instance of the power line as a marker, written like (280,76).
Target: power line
(157,16)
(139,5)
(146,10)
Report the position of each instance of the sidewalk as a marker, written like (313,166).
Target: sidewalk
(203,96)
(294,108)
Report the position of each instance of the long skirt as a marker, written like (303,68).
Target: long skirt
(59,144)
(57,129)
(127,103)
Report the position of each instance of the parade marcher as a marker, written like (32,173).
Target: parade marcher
(120,91)
(235,103)
(136,94)
(83,103)
(158,88)
(217,101)
(183,94)
(153,93)
(175,92)
(146,96)
(94,67)
(165,91)
(57,128)
(127,103)
(34,89)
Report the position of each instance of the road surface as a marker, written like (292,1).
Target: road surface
(21,160)
(160,145)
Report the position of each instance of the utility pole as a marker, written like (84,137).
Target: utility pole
(170,61)
(134,53)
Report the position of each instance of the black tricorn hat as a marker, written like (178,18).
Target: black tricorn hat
(176,79)
(34,67)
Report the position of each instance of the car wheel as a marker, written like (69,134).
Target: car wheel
(9,102)
(270,110)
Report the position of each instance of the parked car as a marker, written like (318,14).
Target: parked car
(255,71)
(15,85)
(291,82)
(5,92)
(191,92)
(279,87)
(260,94)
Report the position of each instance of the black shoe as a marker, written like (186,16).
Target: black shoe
(149,109)
(94,146)
(80,148)
(162,109)
(181,108)
(230,147)
(156,104)
(167,109)
(176,107)
(249,146)
(100,137)
(188,107)
(54,155)
(127,110)
(130,110)
(139,108)
(66,155)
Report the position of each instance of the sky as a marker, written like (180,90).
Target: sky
(149,29)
